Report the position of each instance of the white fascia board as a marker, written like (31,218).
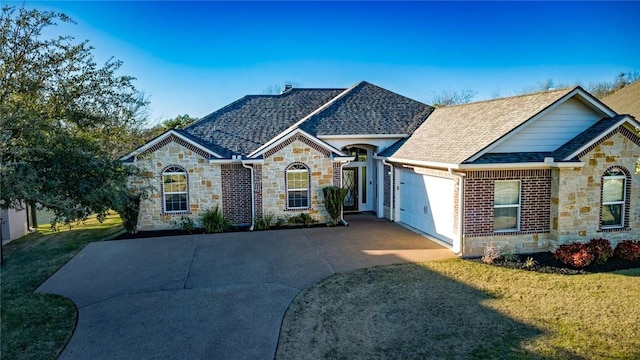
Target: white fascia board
(290,128)
(593,102)
(519,166)
(490,166)
(420,163)
(158,139)
(303,133)
(626,119)
(363,136)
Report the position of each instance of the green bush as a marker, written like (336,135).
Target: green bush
(128,209)
(304,219)
(264,222)
(214,221)
(187,225)
(333,201)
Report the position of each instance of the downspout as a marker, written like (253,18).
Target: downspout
(342,220)
(253,195)
(460,208)
(391,200)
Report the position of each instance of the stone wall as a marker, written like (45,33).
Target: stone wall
(204,186)
(576,192)
(518,243)
(274,193)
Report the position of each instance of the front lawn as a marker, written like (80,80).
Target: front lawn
(37,326)
(456,309)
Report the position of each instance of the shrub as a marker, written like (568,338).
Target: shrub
(628,250)
(600,249)
(509,256)
(304,219)
(530,263)
(492,252)
(214,221)
(128,208)
(263,223)
(333,199)
(575,254)
(187,225)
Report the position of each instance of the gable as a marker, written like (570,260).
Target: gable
(170,140)
(553,129)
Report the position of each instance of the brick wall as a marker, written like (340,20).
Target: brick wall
(236,193)
(534,203)
(337,174)
(257,184)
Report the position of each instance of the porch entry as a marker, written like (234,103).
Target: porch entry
(357,180)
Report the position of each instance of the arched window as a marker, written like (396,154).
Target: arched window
(615,182)
(297,186)
(175,190)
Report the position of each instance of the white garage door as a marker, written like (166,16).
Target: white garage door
(426,203)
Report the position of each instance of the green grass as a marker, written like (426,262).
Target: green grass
(37,326)
(456,309)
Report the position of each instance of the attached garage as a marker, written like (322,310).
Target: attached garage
(426,203)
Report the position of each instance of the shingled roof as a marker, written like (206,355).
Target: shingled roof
(452,135)
(368,109)
(625,100)
(243,126)
(246,124)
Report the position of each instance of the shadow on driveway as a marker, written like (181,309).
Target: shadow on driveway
(213,296)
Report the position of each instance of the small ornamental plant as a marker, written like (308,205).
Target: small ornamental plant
(628,250)
(492,252)
(575,254)
(600,249)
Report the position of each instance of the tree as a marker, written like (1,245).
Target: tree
(64,120)
(450,98)
(178,122)
(605,88)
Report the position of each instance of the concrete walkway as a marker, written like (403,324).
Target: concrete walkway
(217,296)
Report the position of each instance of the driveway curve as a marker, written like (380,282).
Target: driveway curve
(219,296)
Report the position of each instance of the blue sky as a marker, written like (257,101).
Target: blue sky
(195,57)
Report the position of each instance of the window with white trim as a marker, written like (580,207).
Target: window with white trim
(175,190)
(613,199)
(506,205)
(297,186)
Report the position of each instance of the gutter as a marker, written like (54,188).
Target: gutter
(253,195)
(460,209)
(548,162)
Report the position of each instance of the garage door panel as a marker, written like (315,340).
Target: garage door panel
(426,203)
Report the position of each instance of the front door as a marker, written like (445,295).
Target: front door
(350,182)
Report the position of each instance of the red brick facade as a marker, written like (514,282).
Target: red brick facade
(257,186)
(236,193)
(337,174)
(534,203)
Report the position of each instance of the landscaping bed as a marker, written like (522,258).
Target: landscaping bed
(545,263)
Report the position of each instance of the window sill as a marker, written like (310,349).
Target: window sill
(614,229)
(176,213)
(298,209)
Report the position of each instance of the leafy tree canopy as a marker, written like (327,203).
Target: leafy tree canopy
(177,122)
(63,119)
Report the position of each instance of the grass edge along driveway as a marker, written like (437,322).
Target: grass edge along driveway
(456,309)
(37,326)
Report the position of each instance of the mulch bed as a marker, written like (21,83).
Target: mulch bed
(178,232)
(545,263)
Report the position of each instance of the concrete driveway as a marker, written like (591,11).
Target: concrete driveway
(217,296)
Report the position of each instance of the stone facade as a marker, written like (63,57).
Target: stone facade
(204,190)
(274,192)
(573,207)
(576,192)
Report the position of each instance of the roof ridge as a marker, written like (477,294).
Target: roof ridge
(565,90)
(206,117)
(305,118)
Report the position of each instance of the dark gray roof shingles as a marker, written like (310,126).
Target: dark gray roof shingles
(246,124)
(368,109)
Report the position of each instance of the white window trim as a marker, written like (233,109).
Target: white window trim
(307,189)
(622,202)
(517,206)
(165,193)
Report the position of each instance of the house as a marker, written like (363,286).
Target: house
(14,224)
(528,172)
